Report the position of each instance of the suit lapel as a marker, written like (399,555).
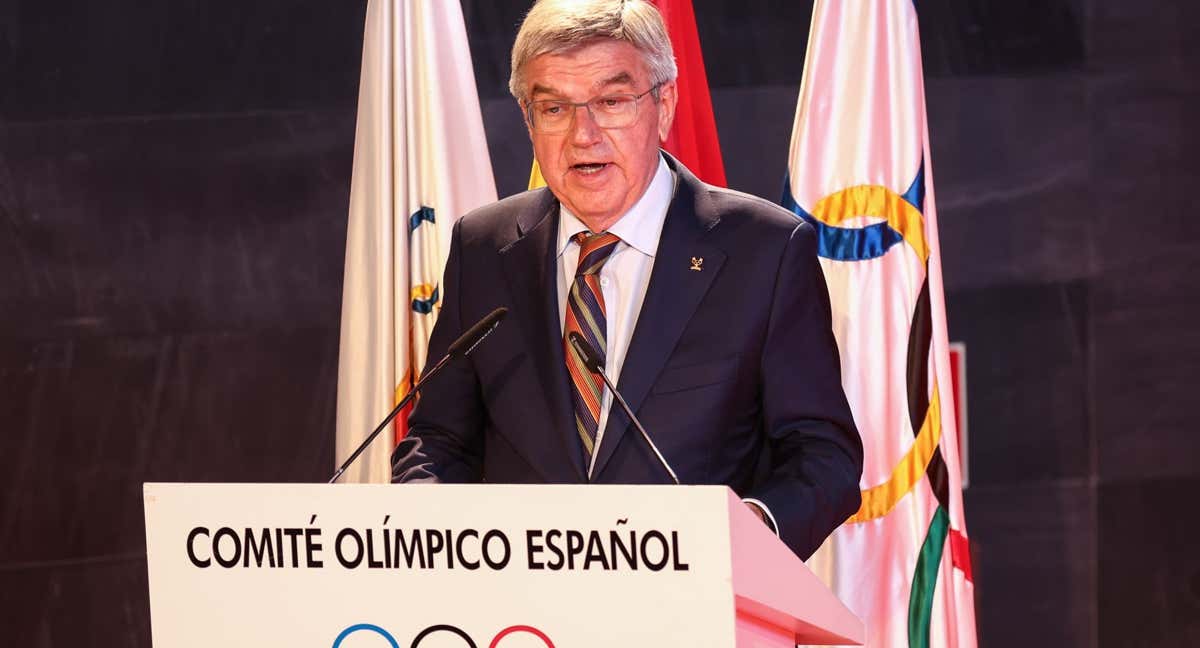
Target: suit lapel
(529,266)
(674,293)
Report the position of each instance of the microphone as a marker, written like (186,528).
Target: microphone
(467,342)
(461,348)
(592,361)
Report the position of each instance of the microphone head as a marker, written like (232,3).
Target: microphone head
(586,351)
(467,342)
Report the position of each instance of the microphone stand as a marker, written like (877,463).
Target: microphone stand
(592,359)
(463,347)
(638,424)
(396,410)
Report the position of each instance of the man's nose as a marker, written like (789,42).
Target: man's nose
(584,130)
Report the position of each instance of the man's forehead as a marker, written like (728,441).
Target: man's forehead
(593,67)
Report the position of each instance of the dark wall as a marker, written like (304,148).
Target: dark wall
(174,179)
(173,189)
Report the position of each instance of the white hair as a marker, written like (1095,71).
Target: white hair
(556,26)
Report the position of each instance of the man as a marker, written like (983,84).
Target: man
(708,304)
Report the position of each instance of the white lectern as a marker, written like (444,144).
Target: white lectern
(361,566)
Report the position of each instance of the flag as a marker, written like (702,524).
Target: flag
(693,136)
(420,162)
(859,171)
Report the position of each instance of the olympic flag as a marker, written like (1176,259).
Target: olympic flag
(420,162)
(859,171)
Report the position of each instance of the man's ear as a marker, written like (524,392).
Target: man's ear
(525,120)
(668,97)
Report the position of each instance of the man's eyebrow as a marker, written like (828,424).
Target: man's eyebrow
(622,78)
(541,89)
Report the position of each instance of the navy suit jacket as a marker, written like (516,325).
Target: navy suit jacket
(733,369)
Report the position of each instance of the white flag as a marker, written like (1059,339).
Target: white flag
(420,162)
(859,171)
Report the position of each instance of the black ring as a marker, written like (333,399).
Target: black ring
(440,628)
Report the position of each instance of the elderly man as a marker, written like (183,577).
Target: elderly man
(708,304)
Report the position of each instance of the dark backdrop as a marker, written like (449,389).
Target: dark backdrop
(173,189)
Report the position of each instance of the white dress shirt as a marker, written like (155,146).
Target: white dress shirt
(624,277)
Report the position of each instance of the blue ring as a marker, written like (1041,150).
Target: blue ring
(855,243)
(365,626)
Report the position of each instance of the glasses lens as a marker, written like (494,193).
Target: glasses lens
(614,111)
(549,115)
(609,111)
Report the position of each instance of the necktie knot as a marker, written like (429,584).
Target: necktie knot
(594,250)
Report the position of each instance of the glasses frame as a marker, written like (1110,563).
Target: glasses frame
(575,105)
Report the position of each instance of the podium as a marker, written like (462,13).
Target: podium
(503,566)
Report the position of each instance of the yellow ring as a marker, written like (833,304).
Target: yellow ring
(881,202)
(878,501)
(423,292)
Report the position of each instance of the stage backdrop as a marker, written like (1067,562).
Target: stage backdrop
(174,183)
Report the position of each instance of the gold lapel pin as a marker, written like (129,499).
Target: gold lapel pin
(697,263)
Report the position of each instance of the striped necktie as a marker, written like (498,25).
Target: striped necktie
(585,315)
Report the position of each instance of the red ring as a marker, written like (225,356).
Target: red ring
(521,628)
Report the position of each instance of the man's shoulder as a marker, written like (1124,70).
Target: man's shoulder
(499,223)
(751,215)
(733,210)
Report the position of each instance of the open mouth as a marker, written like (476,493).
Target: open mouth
(589,167)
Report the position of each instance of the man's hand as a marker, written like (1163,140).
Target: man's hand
(762,515)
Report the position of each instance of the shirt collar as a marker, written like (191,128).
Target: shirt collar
(641,226)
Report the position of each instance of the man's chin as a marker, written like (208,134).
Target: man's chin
(597,215)
(590,204)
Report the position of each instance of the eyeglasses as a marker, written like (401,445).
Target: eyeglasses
(552,116)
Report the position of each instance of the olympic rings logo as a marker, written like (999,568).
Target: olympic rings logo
(445,628)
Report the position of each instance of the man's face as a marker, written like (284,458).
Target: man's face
(599,173)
